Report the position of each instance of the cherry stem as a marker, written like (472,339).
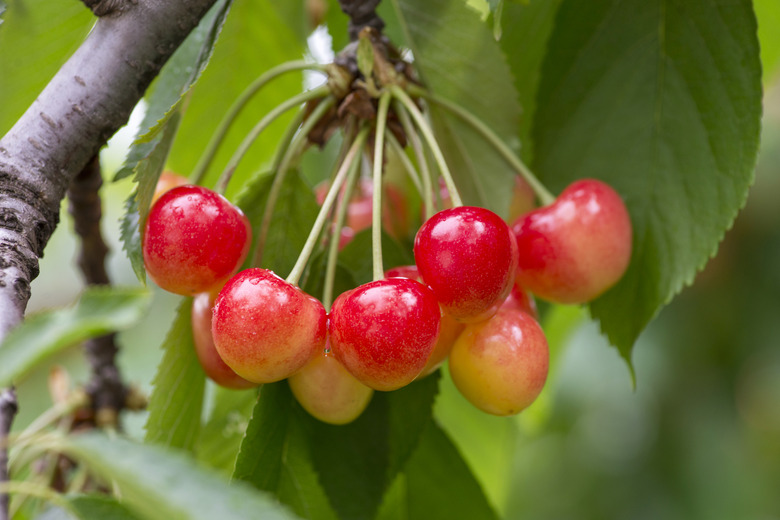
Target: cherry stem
(414,139)
(239,154)
(376,210)
(422,124)
(238,105)
(408,166)
(35,490)
(545,197)
(338,224)
(311,240)
(280,170)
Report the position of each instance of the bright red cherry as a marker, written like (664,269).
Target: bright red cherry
(194,240)
(468,257)
(265,328)
(577,247)
(212,364)
(500,365)
(448,332)
(384,331)
(326,390)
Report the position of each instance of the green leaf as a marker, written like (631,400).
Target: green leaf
(130,235)
(358,461)
(91,507)
(355,462)
(662,100)
(458,59)
(439,484)
(294,213)
(254,38)
(36,39)
(177,400)
(163,484)
(99,311)
(275,454)
(221,436)
(526,30)
(165,95)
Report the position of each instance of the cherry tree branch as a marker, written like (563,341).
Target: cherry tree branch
(362,13)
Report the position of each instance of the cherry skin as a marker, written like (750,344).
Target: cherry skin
(326,390)
(577,247)
(194,240)
(265,328)
(520,299)
(167,181)
(500,365)
(212,364)
(384,331)
(449,330)
(468,257)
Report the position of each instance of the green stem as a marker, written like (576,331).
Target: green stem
(414,139)
(280,173)
(311,240)
(338,224)
(545,197)
(408,166)
(34,490)
(238,105)
(224,178)
(376,216)
(422,124)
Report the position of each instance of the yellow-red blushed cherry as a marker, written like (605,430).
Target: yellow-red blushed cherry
(194,240)
(384,331)
(500,365)
(209,359)
(468,257)
(265,328)
(577,247)
(326,390)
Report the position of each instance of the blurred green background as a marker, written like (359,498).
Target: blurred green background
(699,437)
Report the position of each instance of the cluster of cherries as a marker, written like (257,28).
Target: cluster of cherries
(465,299)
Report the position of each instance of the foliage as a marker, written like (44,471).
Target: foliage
(662,100)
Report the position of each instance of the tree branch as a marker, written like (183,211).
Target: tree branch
(362,13)
(85,103)
(8,410)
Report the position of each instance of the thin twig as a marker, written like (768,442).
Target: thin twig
(105,388)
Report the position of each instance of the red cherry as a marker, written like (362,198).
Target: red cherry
(500,365)
(212,364)
(577,247)
(449,330)
(265,328)
(194,240)
(468,257)
(384,331)
(326,390)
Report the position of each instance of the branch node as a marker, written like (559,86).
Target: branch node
(106,7)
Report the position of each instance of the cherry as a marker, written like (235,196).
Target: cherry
(577,247)
(212,364)
(194,240)
(449,330)
(265,328)
(468,257)
(500,365)
(384,331)
(521,300)
(326,390)
(167,181)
